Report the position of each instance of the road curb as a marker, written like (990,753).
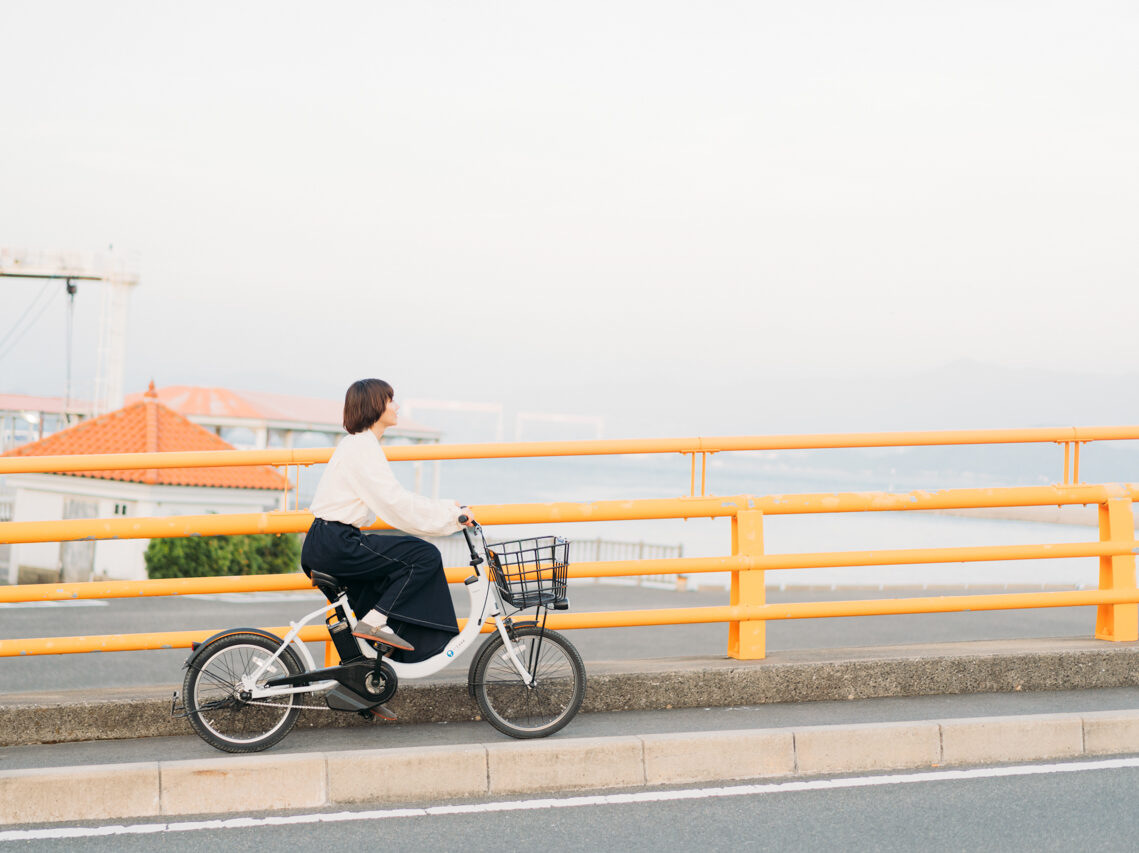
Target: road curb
(943,669)
(431,774)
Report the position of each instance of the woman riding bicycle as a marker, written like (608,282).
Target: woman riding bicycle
(396,584)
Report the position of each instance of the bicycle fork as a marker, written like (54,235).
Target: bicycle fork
(510,652)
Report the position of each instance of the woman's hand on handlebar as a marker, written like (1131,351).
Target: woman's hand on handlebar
(466,517)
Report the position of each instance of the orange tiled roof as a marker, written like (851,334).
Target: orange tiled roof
(148,426)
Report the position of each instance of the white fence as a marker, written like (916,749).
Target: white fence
(455,553)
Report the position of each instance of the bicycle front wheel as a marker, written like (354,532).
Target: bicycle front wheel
(529,710)
(221,712)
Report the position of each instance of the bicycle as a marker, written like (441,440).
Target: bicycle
(242,685)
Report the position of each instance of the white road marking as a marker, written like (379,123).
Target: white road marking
(267,597)
(575,802)
(70,602)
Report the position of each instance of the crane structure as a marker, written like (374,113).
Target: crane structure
(495,409)
(596,423)
(117,281)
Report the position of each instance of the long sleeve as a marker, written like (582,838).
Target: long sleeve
(359,486)
(382,493)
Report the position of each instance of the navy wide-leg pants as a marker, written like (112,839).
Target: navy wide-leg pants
(401,576)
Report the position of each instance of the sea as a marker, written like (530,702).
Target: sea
(575,479)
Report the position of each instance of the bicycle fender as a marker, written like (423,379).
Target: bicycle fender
(198,647)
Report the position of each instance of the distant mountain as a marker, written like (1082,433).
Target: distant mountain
(961,395)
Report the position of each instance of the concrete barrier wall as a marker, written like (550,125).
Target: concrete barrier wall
(982,667)
(417,775)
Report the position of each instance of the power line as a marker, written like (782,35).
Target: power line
(31,305)
(26,329)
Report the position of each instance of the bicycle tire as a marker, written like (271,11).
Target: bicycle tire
(211,694)
(534,711)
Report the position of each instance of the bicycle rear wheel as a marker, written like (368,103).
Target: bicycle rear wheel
(220,712)
(542,707)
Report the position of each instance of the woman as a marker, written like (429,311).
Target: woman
(396,584)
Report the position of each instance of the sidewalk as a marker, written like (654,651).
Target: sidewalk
(383,735)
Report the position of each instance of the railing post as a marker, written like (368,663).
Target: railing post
(747,640)
(1118,622)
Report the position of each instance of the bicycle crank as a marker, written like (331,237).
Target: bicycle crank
(363,685)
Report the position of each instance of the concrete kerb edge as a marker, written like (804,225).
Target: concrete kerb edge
(571,764)
(627,686)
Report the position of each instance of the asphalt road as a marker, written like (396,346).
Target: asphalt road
(115,669)
(1052,807)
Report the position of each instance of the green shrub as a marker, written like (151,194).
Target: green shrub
(208,556)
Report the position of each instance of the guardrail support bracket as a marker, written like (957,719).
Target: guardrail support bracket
(748,640)
(1117,622)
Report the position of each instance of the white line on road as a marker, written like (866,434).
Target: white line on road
(70,602)
(575,802)
(268,597)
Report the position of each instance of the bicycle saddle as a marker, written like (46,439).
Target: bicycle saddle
(327,584)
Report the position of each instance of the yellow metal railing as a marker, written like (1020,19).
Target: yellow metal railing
(747,611)
(1072,438)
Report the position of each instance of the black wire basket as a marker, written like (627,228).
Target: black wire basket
(530,572)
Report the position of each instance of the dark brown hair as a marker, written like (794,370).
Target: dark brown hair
(364,403)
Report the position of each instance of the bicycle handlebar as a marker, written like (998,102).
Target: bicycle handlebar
(468,534)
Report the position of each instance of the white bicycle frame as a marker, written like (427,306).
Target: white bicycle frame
(485,603)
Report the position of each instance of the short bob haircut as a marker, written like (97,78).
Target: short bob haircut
(364,403)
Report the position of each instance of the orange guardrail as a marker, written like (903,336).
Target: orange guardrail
(1117,599)
(1072,439)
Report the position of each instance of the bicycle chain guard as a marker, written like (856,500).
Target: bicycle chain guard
(363,685)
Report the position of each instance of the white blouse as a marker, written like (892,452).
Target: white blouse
(358,485)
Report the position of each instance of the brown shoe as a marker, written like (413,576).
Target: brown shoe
(383,712)
(384,635)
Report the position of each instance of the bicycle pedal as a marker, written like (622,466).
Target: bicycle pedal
(381,712)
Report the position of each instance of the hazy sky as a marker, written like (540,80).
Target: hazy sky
(646,210)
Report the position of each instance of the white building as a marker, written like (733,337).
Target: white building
(145,425)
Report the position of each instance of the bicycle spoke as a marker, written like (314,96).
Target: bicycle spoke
(547,702)
(213,688)
(226,683)
(218,705)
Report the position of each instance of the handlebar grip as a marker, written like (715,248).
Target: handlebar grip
(469,534)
